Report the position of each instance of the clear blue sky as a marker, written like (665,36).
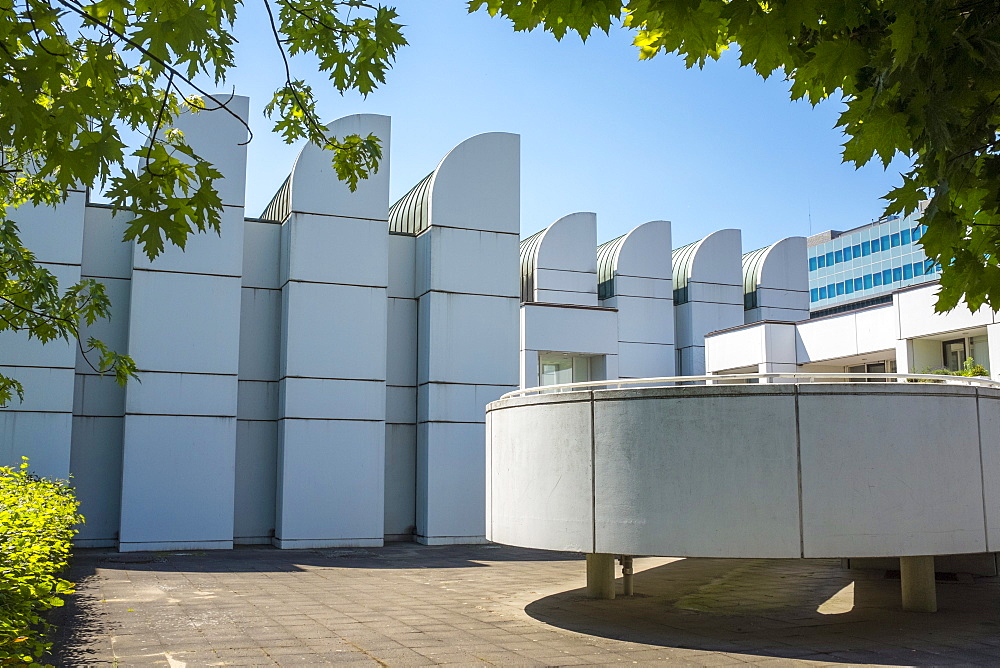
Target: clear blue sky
(600,131)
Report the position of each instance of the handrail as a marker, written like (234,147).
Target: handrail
(619,383)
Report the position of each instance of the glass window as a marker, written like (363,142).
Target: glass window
(868,281)
(929,266)
(895,240)
(875,246)
(812,264)
(814,295)
(838,257)
(831,291)
(884,243)
(829,259)
(856,251)
(904,236)
(907,271)
(822,292)
(557,368)
(918,268)
(848,286)
(857,284)
(847,254)
(897,274)
(877,279)
(887,277)
(954,354)
(821,261)
(866,248)
(840,288)
(916,232)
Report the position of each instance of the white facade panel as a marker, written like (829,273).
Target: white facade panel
(572,298)
(182,394)
(590,331)
(735,349)
(645,360)
(989,437)
(402,266)
(917,316)
(260,333)
(257,400)
(452,402)
(450,507)
(636,286)
(218,254)
(177,482)
(482,351)
(53,234)
(261,255)
(334,249)
(331,477)
(105,255)
(255,480)
(98,396)
(96,463)
(467,261)
(42,437)
(560,280)
(401,355)
(184,322)
(400,480)
(642,320)
(46,389)
(401,404)
(316,329)
(906,489)
(112,332)
(333,399)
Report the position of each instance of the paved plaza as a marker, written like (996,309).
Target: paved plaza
(408,605)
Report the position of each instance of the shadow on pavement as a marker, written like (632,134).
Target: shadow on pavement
(790,609)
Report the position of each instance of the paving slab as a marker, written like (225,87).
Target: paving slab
(411,605)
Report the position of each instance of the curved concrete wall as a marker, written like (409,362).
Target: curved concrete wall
(811,470)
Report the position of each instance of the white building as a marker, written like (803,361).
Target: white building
(318,375)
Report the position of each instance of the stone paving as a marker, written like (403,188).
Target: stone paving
(408,605)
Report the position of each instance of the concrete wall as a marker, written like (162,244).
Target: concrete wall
(758,471)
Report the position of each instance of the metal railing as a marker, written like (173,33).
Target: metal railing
(747,378)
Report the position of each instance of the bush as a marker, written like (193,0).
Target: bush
(37,519)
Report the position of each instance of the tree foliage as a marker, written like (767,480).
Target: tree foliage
(37,521)
(920,79)
(76,75)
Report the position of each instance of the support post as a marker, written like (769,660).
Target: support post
(601,576)
(916,576)
(628,585)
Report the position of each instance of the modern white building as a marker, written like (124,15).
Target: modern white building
(318,375)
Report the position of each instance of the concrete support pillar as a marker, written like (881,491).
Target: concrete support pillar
(917,581)
(993,344)
(904,356)
(601,576)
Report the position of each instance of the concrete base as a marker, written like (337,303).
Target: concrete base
(170,546)
(298,544)
(95,542)
(917,582)
(451,540)
(601,576)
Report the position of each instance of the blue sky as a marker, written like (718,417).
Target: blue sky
(600,131)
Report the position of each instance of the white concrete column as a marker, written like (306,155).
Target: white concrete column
(41,426)
(904,356)
(601,576)
(916,575)
(332,361)
(184,323)
(993,343)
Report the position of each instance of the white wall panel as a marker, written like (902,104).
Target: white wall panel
(261,255)
(591,331)
(96,463)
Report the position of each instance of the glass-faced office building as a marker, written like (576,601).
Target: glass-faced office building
(861,267)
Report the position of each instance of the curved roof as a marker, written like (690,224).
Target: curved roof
(411,215)
(753,263)
(529,260)
(682,258)
(607,265)
(280,206)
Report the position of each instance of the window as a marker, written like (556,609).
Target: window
(821,261)
(840,288)
(558,368)
(868,281)
(877,279)
(904,236)
(847,254)
(848,286)
(895,240)
(884,243)
(812,264)
(866,248)
(954,354)
(856,251)
(814,295)
(918,268)
(897,274)
(858,285)
(838,257)
(916,232)
(822,292)
(829,259)
(831,291)
(907,271)
(875,246)
(887,277)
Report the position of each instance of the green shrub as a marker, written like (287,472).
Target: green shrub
(37,519)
